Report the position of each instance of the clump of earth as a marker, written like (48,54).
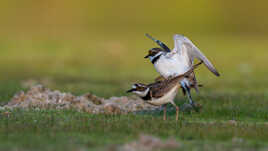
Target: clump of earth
(40,97)
(150,143)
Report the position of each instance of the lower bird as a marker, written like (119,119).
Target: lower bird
(161,92)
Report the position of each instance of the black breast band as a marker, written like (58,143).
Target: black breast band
(147,97)
(155,59)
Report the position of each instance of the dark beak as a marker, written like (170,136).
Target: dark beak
(131,90)
(147,56)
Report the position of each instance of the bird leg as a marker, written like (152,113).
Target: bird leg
(177,113)
(177,110)
(165,112)
(188,92)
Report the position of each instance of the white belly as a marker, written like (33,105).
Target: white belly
(168,98)
(172,66)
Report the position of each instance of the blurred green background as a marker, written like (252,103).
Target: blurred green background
(99,45)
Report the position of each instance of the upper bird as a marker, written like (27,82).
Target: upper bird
(176,62)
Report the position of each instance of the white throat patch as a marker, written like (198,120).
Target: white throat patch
(142,93)
(158,54)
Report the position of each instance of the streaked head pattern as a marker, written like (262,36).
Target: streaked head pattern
(139,89)
(154,54)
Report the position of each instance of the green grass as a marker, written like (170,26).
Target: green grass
(73,130)
(106,66)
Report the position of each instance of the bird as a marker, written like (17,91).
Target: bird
(161,92)
(170,63)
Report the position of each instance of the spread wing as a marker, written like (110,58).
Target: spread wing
(183,44)
(160,43)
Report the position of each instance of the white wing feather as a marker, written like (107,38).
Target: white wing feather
(185,45)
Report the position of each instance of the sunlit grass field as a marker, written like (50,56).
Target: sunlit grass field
(107,64)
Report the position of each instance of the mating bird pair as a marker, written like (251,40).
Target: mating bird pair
(176,69)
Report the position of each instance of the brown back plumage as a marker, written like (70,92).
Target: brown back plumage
(160,88)
(191,78)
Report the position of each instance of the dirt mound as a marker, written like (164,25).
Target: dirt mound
(43,98)
(150,143)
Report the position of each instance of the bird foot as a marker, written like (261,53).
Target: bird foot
(188,107)
(197,107)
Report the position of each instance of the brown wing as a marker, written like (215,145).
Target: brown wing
(191,78)
(159,79)
(159,89)
(193,81)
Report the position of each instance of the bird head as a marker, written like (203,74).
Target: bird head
(139,89)
(154,53)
